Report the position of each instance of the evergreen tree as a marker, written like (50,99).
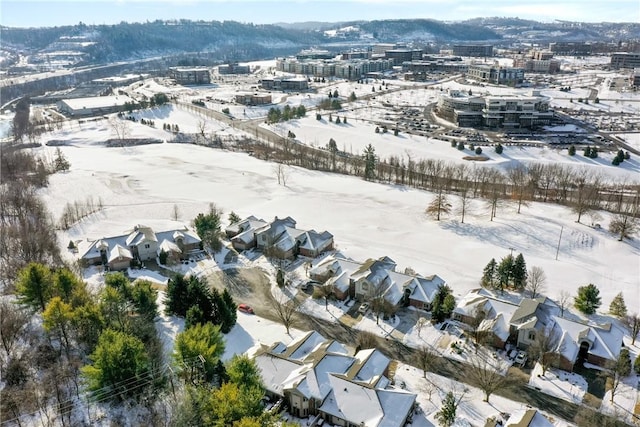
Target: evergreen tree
(335,93)
(588,299)
(489,275)
(572,150)
(280,278)
(594,153)
(352,97)
(34,285)
(201,340)
(118,359)
(505,272)
(446,416)
(587,151)
(231,310)
(243,371)
(176,300)
(370,161)
(234,218)
(617,307)
(519,273)
(61,164)
(144,297)
(208,227)
(443,304)
(499,149)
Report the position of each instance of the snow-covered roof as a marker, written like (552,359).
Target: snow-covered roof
(316,384)
(303,346)
(97,102)
(605,341)
(119,252)
(276,372)
(528,418)
(168,246)
(312,240)
(362,405)
(139,235)
(370,364)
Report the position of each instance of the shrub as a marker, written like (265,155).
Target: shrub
(478,150)
(499,149)
(225,110)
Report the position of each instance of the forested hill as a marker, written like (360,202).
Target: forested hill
(243,41)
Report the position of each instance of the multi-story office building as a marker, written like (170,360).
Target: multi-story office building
(351,69)
(401,55)
(495,111)
(190,76)
(285,83)
(509,76)
(234,69)
(571,48)
(625,60)
(476,50)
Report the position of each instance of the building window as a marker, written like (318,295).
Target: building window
(532,335)
(147,246)
(365,286)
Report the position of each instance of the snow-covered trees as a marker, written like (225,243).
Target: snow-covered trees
(588,299)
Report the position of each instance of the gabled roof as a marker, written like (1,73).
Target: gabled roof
(140,234)
(605,340)
(528,418)
(312,240)
(168,246)
(119,252)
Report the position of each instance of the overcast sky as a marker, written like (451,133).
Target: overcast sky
(38,13)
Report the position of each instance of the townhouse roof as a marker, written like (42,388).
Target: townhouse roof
(605,340)
(527,418)
(119,252)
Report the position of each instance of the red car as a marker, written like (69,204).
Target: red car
(245,308)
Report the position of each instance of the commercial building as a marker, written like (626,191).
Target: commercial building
(233,69)
(253,98)
(476,50)
(352,69)
(571,48)
(314,54)
(625,60)
(190,76)
(419,70)
(401,55)
(93,106)
(284,83)
(509,76)
(495,111)
(634,80)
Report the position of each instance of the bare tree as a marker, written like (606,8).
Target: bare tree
(479,334)
(421,322)
(563,301)
(465,203)
(376,299)
(120,127)
(536,280)
(625,223)
(285,309)
(13,320)
(365,340)
(616,370)
(202,130)
(426,359)
(175,213)
(632,322)
(281,173)
(323,291)
(545,348)
(439,205)
(487,374)
(519,178)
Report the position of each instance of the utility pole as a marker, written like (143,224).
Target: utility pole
(511,253)
(559,240)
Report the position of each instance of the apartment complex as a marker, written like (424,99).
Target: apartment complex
(190,76)
(476,50)
(352,69)
(496,74)
(625,60)
(538,61)
(495,111)
(401,55)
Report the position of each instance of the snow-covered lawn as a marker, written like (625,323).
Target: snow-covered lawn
(625,400)
(564,385)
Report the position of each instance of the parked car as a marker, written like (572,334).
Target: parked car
(245,308)
(307,285)
(363,308)
(521,358)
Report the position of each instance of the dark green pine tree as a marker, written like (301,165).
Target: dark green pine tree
(489,274)
(176,299)
(572,150)
(519,273)
(232,314)
(505,272)
(370,160)
(588,299)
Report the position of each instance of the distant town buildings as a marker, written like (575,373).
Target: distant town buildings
(190,76)
(571,48)
(634,80)
(401,55)
(284,83)
(233,69)
(353,69)
(496,74)
(476,50)
(625,60)
(419,70)
(253,98)
(495,111)
(538,62)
